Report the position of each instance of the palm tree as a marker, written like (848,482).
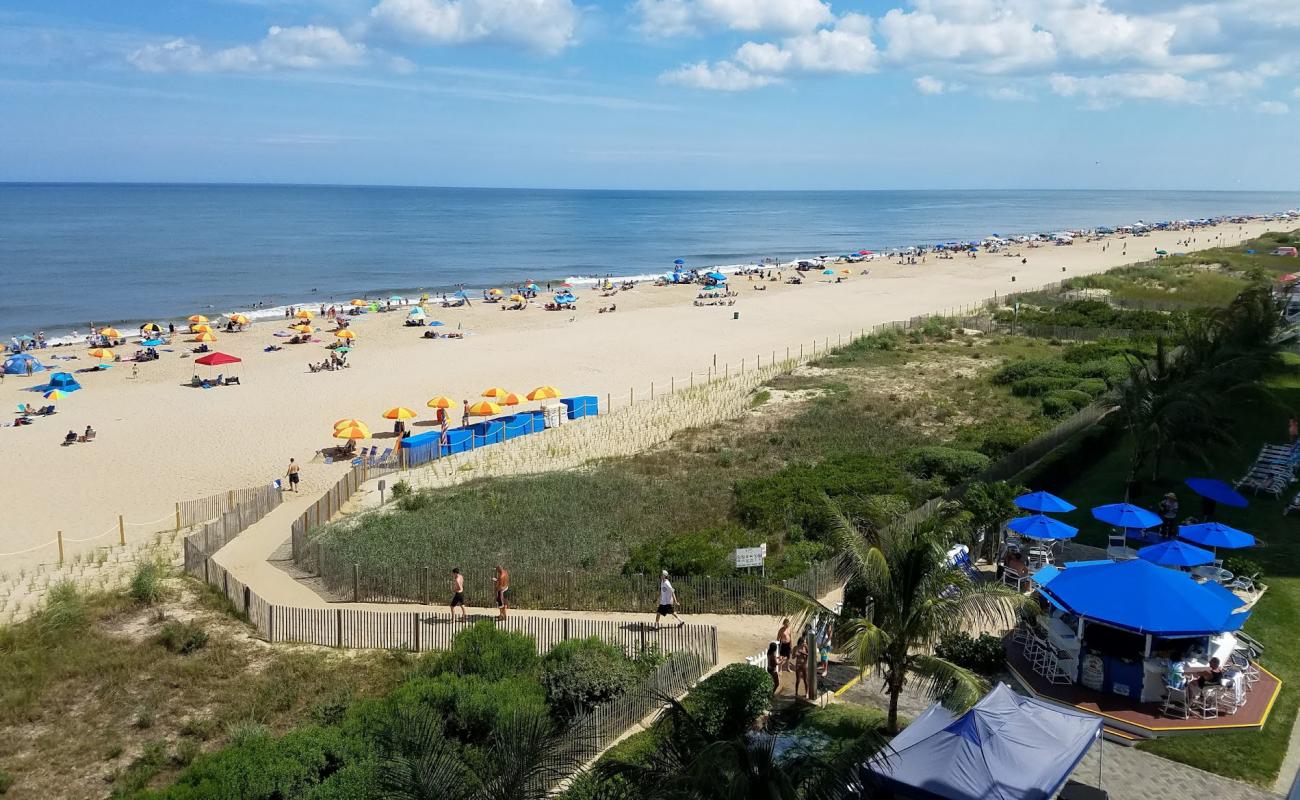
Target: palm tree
(692,762)
(915,597)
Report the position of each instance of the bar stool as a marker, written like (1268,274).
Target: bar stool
(1175,704)
(1242,662)
(1206,702)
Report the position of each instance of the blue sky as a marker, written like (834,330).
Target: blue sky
(656,93)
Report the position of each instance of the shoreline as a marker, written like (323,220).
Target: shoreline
(333,297)
(161,441)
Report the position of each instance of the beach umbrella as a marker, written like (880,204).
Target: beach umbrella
(1174,553)
(484,408)
(205,337)
(715,276)
(516,298)
(304,314)
(1218,491)
(197,318)
(566,285)
(1125,515)
(55,394)
(396,298)
(112,333)
(152,327)
(1162,252)
(399,412)
(1290,276)
(441,401)
(544,393)
(300,328)
(345,334)
(356,301)
(1038,526)
(495,292)
(217,359)
(357,430)
(496,392)
(239,319)
(435,324)
(1043,502)
(344,349)
(200,328)
(846,272)
(1216,534)
(511,399)
(102,353)
(532,287)
(348,423)
(678,261)
(415,311)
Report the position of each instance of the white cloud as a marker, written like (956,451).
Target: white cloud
(548,26)
(723,76)
(999,43)
(1273,107)
(300,47)
(665,18)
(1103,90)
(930,85)
(845,48)
(1008,94)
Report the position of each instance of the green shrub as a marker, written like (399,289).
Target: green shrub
(728,702)
(702,552)
(1039,386)
(947,463)
(473,706)
(1064,401)
(64,612)
(146,586)
(1111,370)
(1093,387)
(182,638)
(482,649)
(1102,351)
(580,673)
(1034,368)
(984,655)
(789,559)
(6,781)
(1242,566)
(401,489)
(997,438)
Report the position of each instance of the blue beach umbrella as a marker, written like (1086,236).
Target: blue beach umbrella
(1125,515)
(1043,502)
(1037,526)
(1218,491)
(715,276)
(678,261)
(1216,534)
(433,324)
(1174,553)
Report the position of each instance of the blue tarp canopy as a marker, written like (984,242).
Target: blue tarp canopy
(1139,596)
(17,364)
(1174,553)
(1007,747)
(1218,491)
(1216,534)
(1043,502)
(62,380)
(1125,515)
(1038,526)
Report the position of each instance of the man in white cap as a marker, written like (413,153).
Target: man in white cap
(667,600)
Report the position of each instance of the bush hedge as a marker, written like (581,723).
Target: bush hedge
(1034,368)
(984,655)
(580,673)
(1040,385)
(946,463)
(728,702)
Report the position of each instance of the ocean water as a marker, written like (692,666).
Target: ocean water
(72,254)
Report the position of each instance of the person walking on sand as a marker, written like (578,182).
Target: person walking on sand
(464,417)
(458,595)
(501,587)
(800,660)
(667,601)
(783,642)
(292,472)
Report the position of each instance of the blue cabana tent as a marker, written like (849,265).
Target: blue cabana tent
(1125,515)
(1138,596)
(1218,491)
(1174,553)
(1216,534)
(1007,747)
(62,380)
(1043,503)
(1038,526)
(17,364)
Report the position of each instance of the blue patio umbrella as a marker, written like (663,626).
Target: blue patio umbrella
(1125,515)
(1139,596)
(1218,491)
(1216,534)
(1043,502)
(1038,526)
(1174,553)
(678,261)
(715,276)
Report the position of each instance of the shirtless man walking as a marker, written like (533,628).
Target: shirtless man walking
(458,595)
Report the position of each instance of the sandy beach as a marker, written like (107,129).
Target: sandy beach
(160,440)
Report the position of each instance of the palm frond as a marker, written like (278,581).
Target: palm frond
(988,606)
(956,687)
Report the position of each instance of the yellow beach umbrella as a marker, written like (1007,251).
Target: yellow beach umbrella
(239,319)
(441,401)
(200,328)
(544,393)
(511,399)
(495,292)
(357,431)
(399,412)
(345,334)
(198,318)
(205,337)
(302,328)
(496,392)
(484,408)
(102,353)
(304,314)
(112,333)
(152,327)
(359,302)
(55,394)
(516,298)
(348,423)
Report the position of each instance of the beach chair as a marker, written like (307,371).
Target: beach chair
(24,409)
(361,457)
(382,459)
(87,437)
(233,381)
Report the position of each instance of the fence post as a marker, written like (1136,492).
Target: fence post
(415,618)
(230,499)
(121,531)
(60,548)
(356,583)
(178,517)
(338,624)
(270,623)
(652,390)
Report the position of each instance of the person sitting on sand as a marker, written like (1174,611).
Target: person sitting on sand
(71,438)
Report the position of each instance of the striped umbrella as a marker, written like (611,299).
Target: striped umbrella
(112,333)
(441,401)
(357,431)
(544,393)
(399,412)
(205,337)
(348,423)
(102,353)
(198,318)
(484,408)
(496,393)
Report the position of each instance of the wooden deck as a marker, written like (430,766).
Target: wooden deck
(1145,719)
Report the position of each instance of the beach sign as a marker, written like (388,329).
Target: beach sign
(750,556)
